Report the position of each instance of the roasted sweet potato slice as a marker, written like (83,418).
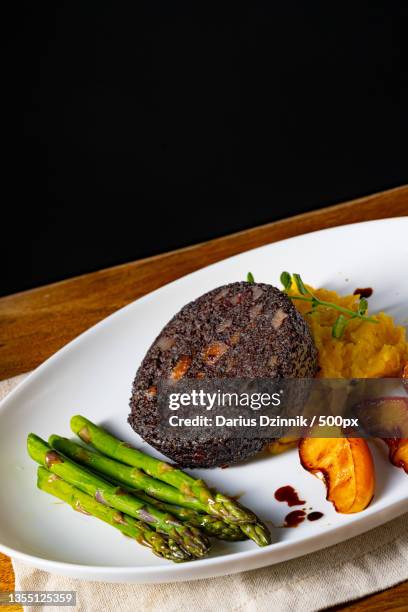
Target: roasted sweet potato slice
(347,468)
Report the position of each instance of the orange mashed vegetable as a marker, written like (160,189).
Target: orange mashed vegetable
(366,350)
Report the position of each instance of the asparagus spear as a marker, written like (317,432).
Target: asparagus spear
(139,481)
(189,538)
(81,502)
(211,525)
(136,479)
(258,532)
(125,474)
(218,505)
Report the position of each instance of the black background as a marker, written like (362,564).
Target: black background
(130,129)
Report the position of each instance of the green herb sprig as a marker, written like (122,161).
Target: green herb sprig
(342,321)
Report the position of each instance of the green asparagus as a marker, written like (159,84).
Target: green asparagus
(125,474)
(81,502)
(136,479)
(258,532)
(217,504)
(189,538)
(211,525)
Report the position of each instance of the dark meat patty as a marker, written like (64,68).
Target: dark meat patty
(241,330)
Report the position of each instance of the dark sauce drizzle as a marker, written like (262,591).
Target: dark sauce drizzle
(289,495)
(366,292)
(294,518)
(314,516)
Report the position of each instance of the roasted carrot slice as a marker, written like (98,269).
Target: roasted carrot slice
(347,468)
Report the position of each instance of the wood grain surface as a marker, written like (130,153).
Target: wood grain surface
(35,324)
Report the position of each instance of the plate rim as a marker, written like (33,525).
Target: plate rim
(342,533)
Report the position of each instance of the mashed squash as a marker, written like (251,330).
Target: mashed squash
(366,350)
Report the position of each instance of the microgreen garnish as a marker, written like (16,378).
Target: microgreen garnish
(286,280)
(307,296)
(362,306)
(300,286)
(339,326)
(250,277)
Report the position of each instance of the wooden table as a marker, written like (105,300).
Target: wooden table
(34,324)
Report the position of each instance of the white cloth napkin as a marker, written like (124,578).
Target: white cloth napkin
(365,564)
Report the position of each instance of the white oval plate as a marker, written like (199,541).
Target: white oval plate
(93,374)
